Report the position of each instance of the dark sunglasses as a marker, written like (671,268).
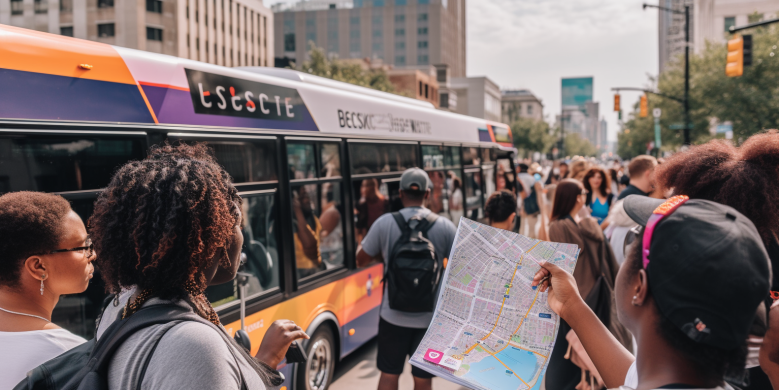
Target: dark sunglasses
(89,248)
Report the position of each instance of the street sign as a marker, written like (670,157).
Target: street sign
(723,129)
(679,126)
(656,112)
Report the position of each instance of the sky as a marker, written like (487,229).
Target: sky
(533,44)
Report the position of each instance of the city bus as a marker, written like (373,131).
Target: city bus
(301,150)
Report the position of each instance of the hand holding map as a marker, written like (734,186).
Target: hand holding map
(491,328)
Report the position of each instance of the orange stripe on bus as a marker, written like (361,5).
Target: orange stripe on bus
(151,111)
(39,52)
(163,86)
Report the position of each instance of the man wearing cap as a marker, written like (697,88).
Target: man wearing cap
(688,291)
(401,332)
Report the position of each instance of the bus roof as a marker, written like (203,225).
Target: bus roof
(67,79)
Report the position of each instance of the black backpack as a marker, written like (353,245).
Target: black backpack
(413,272)
(531,202)
(85,367)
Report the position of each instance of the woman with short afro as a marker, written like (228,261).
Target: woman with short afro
(168,227)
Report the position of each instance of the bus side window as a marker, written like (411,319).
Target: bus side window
(260,253)
(61,163)
(317,228)
(245,161)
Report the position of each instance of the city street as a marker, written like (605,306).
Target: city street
(358,371)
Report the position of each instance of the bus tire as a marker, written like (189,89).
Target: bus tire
(317,372)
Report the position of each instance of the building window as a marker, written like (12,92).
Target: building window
(105,4)
(400,45)
(289,42)
(444,100)
(311,37)
(422,45)
(377,19)
(154,34)
(399,32)
(422,59)
(529,109)
(421,88)
(401,2)
(378,46)
(156,6)
(423,1)
(66,31)
(105,30)
(422,17)
(17,8)
(730,21)
(378,3)
(41,6)
(354,47)
(66,5)
(354,20)
(400,60)
(422,31)
(354,34)
(377,33)
(310,23)
(400,18)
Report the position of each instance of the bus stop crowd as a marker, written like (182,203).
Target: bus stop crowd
(672,288)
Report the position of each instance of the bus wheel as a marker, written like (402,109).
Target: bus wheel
(317,372)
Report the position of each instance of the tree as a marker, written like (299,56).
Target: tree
(532,136)
(575,145)
(348,72)
(750,102)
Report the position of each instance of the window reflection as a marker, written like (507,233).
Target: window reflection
(317,228)
(376,158)
(301,160)
(437,200)
(260,253)
(471,156)
(331,160)
(247,161)
(371,204)
(473,195)
(432,156)
(63,163)
(452,156)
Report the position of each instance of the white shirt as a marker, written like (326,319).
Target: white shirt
(631,380)
(23,351)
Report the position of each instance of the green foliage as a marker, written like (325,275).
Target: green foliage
(348,72)
(575,145)
(750,102)
(532,136)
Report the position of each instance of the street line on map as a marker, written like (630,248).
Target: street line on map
(508,368)
(504,299)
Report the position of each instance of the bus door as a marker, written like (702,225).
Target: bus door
(443,164)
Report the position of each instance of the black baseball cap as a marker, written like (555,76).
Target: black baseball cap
(708,269)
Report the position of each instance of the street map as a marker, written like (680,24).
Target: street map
(491,329)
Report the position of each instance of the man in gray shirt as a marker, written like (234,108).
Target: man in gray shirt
(401,332)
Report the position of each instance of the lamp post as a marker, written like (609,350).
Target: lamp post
(686,99)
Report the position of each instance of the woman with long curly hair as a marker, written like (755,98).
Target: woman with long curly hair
(167,227)
(745,178)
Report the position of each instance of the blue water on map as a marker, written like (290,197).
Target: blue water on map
(523,363)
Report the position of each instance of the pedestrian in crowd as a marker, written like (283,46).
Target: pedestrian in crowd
(400,332)
(372,205)
(595,271)
(532,203)
(599,196)
(558,173)
(641,171)
(688,293)
(456,200)
(164,229)
(500,210)
(44,253)
(745,178)
(307,232)
(579,168)
(769,350)
(614,181)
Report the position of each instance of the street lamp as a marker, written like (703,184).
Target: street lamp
(686,100)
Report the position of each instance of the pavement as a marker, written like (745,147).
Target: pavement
(358,371)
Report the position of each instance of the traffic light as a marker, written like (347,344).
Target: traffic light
(616,103)
(739,55)
(644,107)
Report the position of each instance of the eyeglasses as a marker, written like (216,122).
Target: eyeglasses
(89,248)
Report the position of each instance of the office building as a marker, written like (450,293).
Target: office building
(520,103)
(477,96)
(401,33)
(420,83)
(580,114)
(709,21)
(222,32)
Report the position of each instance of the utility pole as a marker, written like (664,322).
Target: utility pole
(686,100)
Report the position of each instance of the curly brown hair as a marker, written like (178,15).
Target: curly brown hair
(745,178)
(163,221)
(30,224)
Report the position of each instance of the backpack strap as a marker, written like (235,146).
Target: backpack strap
(402,223)
(429,222)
